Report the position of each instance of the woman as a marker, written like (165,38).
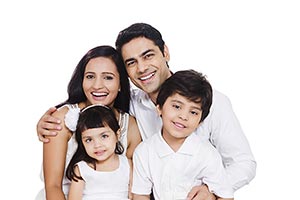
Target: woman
(99,78)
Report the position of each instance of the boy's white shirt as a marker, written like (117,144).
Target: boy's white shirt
(173,174)
(221,127)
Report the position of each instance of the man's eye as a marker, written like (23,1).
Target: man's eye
(149,55)
(130,63)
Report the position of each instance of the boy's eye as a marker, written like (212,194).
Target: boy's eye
(177,107)
(194,113)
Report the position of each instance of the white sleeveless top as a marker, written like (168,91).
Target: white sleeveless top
(71,119)
(111,185)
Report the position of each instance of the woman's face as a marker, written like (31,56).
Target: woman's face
(101,82)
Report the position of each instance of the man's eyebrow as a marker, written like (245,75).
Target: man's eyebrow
(141,55)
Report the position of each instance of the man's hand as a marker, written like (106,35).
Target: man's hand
(200,193)
(47,125)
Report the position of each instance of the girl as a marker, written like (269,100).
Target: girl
(97,170)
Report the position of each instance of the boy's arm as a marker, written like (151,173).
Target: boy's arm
(48,125)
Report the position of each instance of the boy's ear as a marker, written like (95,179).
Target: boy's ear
(158,110)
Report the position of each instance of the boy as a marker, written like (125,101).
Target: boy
(174,160)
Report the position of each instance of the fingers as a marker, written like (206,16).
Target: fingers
(193,192)
(48,125)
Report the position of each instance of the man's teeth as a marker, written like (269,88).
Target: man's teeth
(146,77)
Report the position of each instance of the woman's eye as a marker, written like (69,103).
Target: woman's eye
(89,76)
(108,77)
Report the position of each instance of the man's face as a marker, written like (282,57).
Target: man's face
(146,65)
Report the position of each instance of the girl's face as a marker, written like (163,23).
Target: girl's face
(100,143)
(180,117)
(101,81)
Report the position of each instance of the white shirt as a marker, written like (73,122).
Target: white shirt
(173,174)
(111,185)
(221,127)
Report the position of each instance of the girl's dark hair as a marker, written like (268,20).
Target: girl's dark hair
(190,84)
(75,89)
(94,116)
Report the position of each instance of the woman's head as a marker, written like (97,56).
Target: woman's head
(100,78)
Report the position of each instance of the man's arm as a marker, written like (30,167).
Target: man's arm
(229,139)
(48,125)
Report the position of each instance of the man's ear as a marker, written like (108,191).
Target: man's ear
(158,110)
(166,53)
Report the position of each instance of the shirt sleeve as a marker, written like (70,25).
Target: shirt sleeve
(215,176)
(227,136)
(141,183)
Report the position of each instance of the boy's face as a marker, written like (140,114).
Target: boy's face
(180,117)
(145,64)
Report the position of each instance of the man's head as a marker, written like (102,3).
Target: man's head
(145,56)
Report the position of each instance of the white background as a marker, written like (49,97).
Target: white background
(250,50)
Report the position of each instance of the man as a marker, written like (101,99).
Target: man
(146,59)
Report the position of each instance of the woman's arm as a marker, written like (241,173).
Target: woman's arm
(133,137)
(76,188)
(54,158)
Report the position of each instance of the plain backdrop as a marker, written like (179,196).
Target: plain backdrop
(249,50)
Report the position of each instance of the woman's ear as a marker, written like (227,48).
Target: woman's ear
(158,110)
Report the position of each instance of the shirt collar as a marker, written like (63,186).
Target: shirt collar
(189,147)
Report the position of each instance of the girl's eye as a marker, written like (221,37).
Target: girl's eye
(88,140)
(104,136)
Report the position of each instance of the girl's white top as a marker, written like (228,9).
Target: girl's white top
(71,119)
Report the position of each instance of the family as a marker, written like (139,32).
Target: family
(171,137)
